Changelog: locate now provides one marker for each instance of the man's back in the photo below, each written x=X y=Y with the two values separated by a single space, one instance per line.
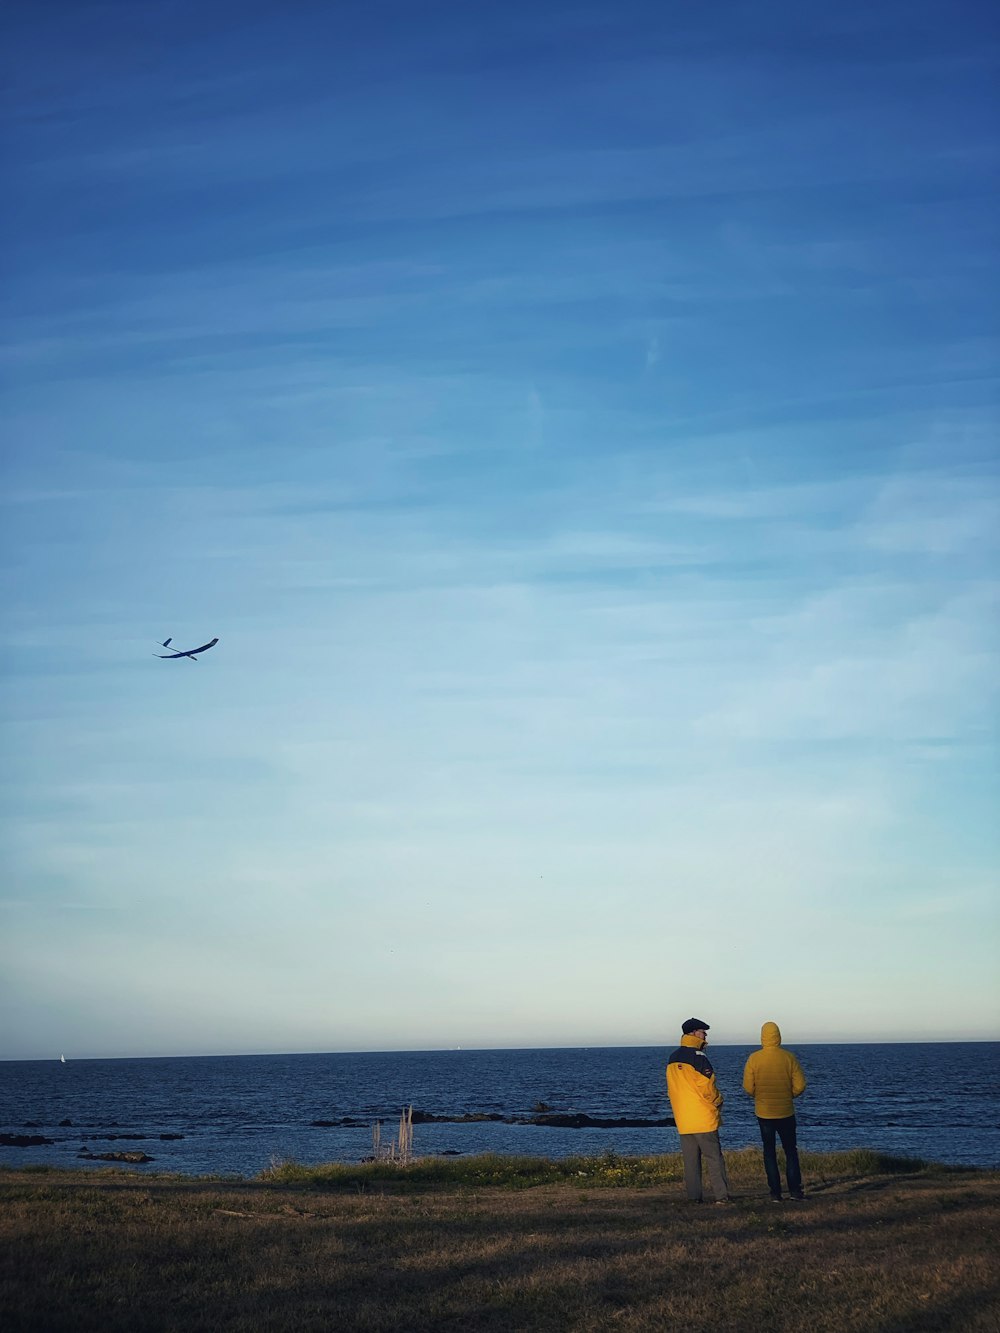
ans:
x=773 y=1076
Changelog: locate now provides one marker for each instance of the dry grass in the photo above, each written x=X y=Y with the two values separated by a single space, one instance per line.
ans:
x=904 y=1250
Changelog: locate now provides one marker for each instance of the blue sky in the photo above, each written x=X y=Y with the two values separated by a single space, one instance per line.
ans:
x=578 y=424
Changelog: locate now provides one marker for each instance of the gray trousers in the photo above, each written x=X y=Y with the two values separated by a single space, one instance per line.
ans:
x=694 y=1147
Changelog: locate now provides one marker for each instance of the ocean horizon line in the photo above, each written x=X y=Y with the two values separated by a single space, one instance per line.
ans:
x=667 y=1044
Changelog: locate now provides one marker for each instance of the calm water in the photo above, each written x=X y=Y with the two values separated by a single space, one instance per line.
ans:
x=237 y=1113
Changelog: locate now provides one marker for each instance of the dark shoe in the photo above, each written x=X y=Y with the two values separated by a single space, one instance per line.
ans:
x=775 y=1198
x=797 y=1197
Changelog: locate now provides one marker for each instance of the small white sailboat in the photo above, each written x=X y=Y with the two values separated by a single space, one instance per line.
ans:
x=62 y=1059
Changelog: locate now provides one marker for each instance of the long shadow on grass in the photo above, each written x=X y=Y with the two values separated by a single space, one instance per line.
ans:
x=406 y=1260
x=403 y=1258
x=800 y=1221
x=407 y=1269
x=949 y=1314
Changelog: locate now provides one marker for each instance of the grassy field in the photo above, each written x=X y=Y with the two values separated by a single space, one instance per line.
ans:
x=502 y=1244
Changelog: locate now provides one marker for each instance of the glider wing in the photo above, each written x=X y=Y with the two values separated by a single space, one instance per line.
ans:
x=191 y=652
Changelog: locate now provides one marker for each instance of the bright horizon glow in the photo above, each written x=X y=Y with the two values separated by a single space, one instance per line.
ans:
x=579 y=429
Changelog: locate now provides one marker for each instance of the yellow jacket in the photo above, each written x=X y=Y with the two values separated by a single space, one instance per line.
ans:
x=694 y=1099
x=772 y=1076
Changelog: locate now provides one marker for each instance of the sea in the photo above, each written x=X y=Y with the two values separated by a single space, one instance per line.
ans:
x=238 y=1115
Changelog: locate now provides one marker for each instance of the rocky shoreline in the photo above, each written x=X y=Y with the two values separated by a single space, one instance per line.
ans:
x=40 y=1135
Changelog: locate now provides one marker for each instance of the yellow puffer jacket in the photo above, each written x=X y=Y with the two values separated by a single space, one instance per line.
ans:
x=694 y=1099
x=772 y=1076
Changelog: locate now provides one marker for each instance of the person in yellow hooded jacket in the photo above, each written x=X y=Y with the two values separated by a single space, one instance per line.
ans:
x=697 y=1106
x=773 y=1077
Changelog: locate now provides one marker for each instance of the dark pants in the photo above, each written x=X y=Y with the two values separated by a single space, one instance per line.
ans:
x=785 y=1130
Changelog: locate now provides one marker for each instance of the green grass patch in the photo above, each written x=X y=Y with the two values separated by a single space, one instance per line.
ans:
x=490 y=1169
x=609 y=1170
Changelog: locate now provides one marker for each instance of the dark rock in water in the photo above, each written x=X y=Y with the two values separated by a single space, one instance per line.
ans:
x=24 y=1140
x=554 y=1119
x=31 y=1124
x=469 y=1118
x=114 y=1156
x=65 y=1124
x=580 y=1121
x=171 y=1136
x=448 y=1152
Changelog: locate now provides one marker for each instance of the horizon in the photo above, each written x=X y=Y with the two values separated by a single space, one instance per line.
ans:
x=472 y=1050
x=578 y=429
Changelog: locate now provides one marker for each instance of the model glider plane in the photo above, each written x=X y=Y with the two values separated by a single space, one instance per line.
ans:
x=192 y=653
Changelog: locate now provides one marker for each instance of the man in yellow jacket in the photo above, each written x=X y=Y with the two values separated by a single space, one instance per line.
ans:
x=697 y=1104
x=773 y=1077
